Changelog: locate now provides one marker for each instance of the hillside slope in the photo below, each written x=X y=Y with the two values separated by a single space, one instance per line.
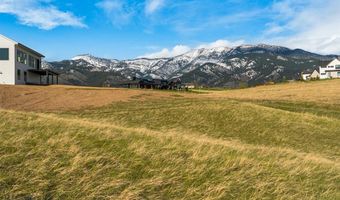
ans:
x=174 y=145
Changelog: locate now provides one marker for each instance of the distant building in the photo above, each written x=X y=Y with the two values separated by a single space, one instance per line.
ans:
x=173 y=84
x=21 y=65
x=332 y=70
x=310 y=76
x=315 y=75
x=189 y=86
x=305 y=76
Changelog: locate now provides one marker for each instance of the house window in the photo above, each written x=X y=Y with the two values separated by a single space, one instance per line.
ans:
x=18 y=74
x=338 y=74
x=31 y=61
x=21 y=57
x=323 y=74
x=330 y=66
x=4 y=54
x=37 y=63
x=25 y=76
x=337 y=66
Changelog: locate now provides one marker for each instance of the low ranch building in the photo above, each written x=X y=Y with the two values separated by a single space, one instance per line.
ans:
x=173 y=84
x=20 y=65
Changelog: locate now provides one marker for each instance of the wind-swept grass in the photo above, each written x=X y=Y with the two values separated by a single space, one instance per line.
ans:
x=45 y=156
x=216 y=145
x=228 y=120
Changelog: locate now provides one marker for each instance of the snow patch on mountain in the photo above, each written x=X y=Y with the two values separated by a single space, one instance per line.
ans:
x=215 y=65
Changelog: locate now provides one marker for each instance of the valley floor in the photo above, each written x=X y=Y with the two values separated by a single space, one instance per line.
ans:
x=270 y=142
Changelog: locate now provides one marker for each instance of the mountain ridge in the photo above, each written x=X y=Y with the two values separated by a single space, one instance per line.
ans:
x=211 y=67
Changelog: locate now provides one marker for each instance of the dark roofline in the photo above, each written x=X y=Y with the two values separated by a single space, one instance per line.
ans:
x=310 y=70
x=43 y=71
x=29 y=49
x=333 y=70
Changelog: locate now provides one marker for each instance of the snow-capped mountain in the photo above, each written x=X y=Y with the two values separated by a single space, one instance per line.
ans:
x=221 y=66
x=97 y=64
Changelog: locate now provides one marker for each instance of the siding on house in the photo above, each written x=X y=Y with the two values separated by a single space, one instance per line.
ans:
x=7 y=69
x=315 y=75
x=32 y=78
x=332 y=70
x=22 y=65
x=311 y=75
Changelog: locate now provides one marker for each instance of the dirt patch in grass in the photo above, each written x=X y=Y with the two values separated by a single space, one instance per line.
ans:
x=55 y=98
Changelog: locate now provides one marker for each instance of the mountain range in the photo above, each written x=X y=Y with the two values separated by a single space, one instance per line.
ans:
x=211 y=67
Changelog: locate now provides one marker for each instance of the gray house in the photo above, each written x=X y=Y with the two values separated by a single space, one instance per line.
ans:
x=20 y=65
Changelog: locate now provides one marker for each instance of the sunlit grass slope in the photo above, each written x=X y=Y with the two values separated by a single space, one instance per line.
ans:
x=47 y=156
x=200 y=147
x=320 y=92
x=247 y=122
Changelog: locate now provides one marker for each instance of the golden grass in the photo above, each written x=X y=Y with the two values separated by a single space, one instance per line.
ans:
x=201 y=140
x=82 y=159
x=271 y=142
x=316 y=91
x=57 y=98
x=227 y=120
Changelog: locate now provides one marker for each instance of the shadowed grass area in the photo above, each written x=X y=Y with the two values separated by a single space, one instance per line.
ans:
x=45 y=156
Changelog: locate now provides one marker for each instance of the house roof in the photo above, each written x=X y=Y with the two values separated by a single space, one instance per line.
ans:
x=8 y=39
x=308 y=71
x=31 y=50
x=333 y=70
x=315 y=73
x=23 y=46
x=334 y=62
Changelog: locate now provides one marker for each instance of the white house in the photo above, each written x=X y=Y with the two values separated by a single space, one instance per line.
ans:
x=332 y=70
x=310 y=76
x=305 y=76
x=21 y=65
x=189 y=86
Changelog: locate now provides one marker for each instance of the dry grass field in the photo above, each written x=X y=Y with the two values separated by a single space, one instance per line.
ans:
x=324 y=92
x=269 y=142
x=54 y=98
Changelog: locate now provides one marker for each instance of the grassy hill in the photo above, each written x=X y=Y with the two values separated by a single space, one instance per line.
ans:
x=271 y=142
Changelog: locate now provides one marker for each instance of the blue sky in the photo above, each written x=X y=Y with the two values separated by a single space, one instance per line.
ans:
x=124 y=29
